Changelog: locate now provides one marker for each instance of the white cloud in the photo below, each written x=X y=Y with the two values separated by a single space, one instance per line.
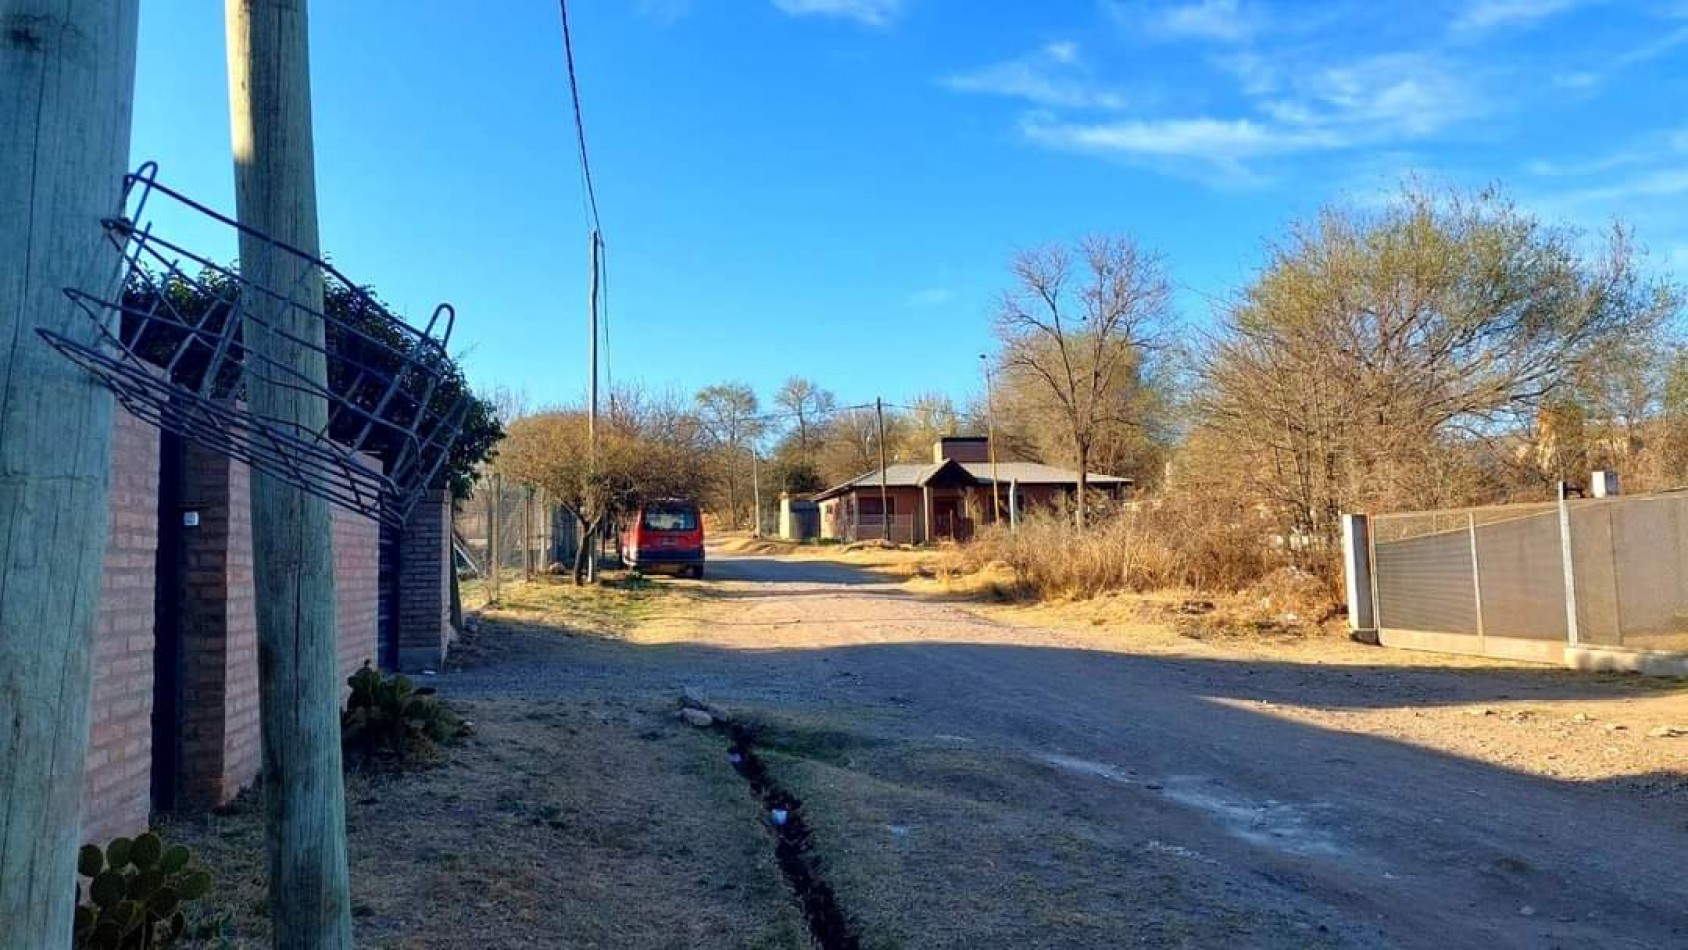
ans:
x=1377 y=102
x=664 y=12
x=1226 y=143
x=1611 y=64
x=1490 y=14
x=1661 y=183
x=1665 y=148
x=1226 y=21
x=930 y=297
x=1054 y=77
x=870 y=12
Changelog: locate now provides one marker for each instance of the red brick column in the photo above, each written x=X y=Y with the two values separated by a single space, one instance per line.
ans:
x=425 y=584
x=117 y=787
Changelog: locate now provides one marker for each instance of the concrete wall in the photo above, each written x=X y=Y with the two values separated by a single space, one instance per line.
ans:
x=425 y=584
x=117 y=785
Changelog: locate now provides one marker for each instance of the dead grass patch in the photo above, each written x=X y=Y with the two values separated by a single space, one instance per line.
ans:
x=579 y=824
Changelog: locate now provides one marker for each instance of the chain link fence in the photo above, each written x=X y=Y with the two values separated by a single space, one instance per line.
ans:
x=506 y=532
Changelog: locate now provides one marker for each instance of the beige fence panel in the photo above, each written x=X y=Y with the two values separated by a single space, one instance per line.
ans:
x=1521 y=572
x=1425 y=579
x=1498 y=575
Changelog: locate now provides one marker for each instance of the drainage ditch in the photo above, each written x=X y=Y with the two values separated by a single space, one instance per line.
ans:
x=828 y=925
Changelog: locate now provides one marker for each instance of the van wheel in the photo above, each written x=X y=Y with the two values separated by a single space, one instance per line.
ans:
x=697 y=572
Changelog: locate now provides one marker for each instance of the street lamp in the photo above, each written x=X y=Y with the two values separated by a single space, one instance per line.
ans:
x=990 y=435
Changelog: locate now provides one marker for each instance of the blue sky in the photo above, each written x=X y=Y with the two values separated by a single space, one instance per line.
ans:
x=833 y=188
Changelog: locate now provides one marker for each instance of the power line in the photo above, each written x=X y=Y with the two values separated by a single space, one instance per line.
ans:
x=590 y=189
x=579 y=123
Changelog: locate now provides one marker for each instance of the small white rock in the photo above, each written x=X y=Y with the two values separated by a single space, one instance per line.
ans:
x=697 y=717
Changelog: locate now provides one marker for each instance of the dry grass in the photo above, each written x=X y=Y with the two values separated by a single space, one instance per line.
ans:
x=1219 y=566
x=575 y=824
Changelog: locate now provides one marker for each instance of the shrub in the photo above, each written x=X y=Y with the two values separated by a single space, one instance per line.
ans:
x=388 y=717
x=135 y=893
x=1176 y=542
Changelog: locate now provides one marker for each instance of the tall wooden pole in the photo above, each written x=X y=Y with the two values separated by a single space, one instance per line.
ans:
x=755 y=492
x=990 y=438
x=594 y=517
x=293 y=557
x=67 y=79
x=884 y=503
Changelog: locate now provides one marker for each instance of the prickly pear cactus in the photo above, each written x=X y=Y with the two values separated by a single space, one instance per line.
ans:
x=134 y=893
x=389 y=717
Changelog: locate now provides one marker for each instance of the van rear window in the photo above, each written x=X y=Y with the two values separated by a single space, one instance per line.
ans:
x=670 y=519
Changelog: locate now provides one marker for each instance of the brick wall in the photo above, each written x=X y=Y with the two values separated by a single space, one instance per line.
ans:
x=219 y=719
x=117 y=787
x=357 y=590
x=219 y=729
x=425 y=584
x=221 y=734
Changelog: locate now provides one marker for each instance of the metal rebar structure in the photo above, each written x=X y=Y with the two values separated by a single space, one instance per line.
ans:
x=172 y=346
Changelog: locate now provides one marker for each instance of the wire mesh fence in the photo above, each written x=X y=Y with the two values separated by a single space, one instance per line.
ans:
x=1608 y=572
x=508 y=531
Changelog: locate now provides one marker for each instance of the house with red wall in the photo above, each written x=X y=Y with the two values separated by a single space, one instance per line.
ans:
x=951 y=496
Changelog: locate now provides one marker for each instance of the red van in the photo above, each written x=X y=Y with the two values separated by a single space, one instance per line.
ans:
x=665 y=534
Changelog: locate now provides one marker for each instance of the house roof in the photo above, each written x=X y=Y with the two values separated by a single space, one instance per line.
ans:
x=1036 y=473
x=900 y=475
x=913 y=475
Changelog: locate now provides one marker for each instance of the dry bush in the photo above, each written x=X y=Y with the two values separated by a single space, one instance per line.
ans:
x=1173 y=542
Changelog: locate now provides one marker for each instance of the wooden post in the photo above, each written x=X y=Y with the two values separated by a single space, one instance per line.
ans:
x=884 y=504
x=527 y=534
x=494 y=532
x=755 y=494
x=67 y=78
x=292 y=539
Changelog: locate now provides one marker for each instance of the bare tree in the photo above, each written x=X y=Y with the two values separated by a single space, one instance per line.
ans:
x=1078 y=322
x=67 y=76
x=728 y=413
x=809 y=405
x=644 y=452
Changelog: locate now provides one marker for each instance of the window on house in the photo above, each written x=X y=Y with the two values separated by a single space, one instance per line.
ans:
x=870 y=506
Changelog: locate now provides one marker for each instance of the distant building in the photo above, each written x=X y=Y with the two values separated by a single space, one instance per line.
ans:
x=949 y=497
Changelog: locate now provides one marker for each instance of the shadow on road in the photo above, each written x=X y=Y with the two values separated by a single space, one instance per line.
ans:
x=1405 y=845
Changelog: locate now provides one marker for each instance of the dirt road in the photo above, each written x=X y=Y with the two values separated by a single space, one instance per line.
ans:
x=980 y=784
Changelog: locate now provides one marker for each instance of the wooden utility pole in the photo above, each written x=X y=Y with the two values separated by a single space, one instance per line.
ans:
x=990 y=438
x=67 y=80
x=884 y=503
x=494 y=543
x=292 y=542
x=755 y=493
x=593 y=515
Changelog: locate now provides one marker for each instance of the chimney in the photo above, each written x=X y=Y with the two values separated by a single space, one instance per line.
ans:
x=962 y=448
